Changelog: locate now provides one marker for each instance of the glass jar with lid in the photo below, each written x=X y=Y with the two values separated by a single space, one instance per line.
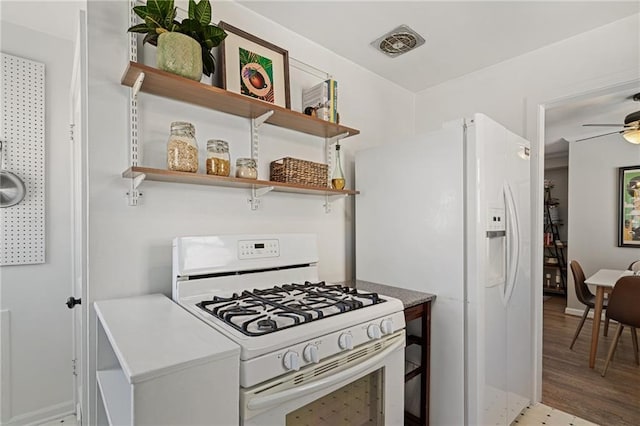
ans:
x=246 y=168
x=218 y=161
x=182 y=148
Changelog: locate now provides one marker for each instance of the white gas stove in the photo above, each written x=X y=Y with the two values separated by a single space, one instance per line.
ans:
x=263 y=292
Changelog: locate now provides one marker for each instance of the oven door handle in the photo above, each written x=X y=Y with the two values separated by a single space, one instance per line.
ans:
x=267 y=401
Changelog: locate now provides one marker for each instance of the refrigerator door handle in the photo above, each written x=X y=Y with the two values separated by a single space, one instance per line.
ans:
x=513 y=243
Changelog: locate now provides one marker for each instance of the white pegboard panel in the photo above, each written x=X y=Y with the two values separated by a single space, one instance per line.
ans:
x=22 y=131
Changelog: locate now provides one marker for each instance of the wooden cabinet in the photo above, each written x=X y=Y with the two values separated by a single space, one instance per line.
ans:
x=158 y=364
x=156 y=82
x=421 y=312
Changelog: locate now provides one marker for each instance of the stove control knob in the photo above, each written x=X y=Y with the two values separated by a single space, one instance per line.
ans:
x=345 y=341
x=291 y=361
x=386 y=326
x=310 y=354
x=373 y=331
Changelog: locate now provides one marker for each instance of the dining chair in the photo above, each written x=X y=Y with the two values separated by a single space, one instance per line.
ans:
x=635 y=266
x=585 y=297
x=623 y=308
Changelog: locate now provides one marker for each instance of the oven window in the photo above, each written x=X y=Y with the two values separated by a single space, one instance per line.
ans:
x=358 y=403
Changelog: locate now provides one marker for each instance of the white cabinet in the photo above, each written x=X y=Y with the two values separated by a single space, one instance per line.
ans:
x=159 y=365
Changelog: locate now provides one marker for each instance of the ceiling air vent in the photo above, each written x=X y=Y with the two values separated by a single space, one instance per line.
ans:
x=398 y=41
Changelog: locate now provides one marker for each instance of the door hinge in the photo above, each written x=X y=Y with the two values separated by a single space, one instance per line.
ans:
x=74 y=367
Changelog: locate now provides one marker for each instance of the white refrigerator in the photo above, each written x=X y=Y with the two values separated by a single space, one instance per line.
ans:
x=448 y=213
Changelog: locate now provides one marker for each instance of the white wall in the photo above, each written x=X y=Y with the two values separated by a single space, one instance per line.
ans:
x=130 y=247
x=39 y=336
x=593 y=205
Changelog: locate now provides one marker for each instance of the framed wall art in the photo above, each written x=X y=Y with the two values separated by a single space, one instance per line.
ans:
x=629 y=206
x=254 y=67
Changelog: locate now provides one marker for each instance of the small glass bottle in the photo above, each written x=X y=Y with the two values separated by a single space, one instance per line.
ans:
x=337 y=179
x=182 y=148
x=218 y=161
x=246 y=168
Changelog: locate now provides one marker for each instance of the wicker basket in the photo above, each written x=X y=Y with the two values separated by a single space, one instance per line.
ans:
x=293 y=170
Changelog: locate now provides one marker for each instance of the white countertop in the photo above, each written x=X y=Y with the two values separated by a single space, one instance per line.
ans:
x=153 y=336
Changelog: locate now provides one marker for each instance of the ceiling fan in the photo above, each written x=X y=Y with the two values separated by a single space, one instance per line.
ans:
x=630 y=129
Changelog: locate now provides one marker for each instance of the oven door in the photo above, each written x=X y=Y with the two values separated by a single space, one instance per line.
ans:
x=361 y=386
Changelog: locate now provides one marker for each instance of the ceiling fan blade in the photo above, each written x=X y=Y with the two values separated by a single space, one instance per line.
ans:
x=598 y=136
x=603 y=125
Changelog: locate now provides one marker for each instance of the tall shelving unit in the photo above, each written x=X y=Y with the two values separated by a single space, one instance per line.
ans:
x=555 y=264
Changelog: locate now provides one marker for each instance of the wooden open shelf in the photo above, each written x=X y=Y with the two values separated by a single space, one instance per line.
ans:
x=171 y=86
x=552 y=290
x=161 y=175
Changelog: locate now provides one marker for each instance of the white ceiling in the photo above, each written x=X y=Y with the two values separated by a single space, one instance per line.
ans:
x=564 y=122
x=461 y=37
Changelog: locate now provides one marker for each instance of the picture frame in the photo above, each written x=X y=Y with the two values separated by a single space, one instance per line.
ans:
x=629 y=206
x=254 y=67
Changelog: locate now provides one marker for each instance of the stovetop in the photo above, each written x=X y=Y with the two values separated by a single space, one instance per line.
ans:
x=263 y=292
x=262 y=311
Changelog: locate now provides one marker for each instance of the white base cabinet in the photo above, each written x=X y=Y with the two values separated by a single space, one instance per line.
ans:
x=159 y=365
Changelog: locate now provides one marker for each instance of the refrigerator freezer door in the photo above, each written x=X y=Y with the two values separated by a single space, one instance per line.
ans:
x=499 y=317
x=486 y=313
x=520 y=306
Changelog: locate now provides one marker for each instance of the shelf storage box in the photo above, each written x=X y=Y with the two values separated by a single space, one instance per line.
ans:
x=301 y=172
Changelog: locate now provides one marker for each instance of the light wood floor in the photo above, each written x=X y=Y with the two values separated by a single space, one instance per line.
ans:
x=568 y=383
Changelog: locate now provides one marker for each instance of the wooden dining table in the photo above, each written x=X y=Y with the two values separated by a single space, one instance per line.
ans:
x=604 y=280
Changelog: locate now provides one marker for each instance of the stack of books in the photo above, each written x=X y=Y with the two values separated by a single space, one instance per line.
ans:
x=322 y=99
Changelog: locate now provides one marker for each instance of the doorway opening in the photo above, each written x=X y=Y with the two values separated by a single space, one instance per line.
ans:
x=581 y=175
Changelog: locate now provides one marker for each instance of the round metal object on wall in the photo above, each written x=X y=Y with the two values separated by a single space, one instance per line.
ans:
x=12 y=189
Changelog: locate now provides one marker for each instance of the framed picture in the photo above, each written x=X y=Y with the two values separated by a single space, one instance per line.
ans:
x=629 y=206
x=254 y=67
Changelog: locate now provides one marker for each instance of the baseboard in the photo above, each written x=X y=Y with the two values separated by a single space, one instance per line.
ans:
x=44 y=415
x=5 y=366
x=580 y=312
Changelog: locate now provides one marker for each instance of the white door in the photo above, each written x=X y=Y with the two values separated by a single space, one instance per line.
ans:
x=78 y=131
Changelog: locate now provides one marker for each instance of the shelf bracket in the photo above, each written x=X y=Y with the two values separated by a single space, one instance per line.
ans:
x=329 y=199
x=133 y=194
x=259 y=121
x=336 y=138
x=138 y=180
x=137 y=85
x=256 y=193
x=255 y=125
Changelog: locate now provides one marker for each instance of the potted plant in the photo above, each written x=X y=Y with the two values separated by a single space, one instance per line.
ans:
x=184 y=48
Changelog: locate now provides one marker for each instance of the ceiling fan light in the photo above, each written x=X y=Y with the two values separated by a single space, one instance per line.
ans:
x=632 y=135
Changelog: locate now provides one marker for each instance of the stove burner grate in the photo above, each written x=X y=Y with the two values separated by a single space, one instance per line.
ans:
x=263 y=311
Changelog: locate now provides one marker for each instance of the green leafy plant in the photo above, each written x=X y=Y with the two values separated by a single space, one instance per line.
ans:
x=160 y=16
